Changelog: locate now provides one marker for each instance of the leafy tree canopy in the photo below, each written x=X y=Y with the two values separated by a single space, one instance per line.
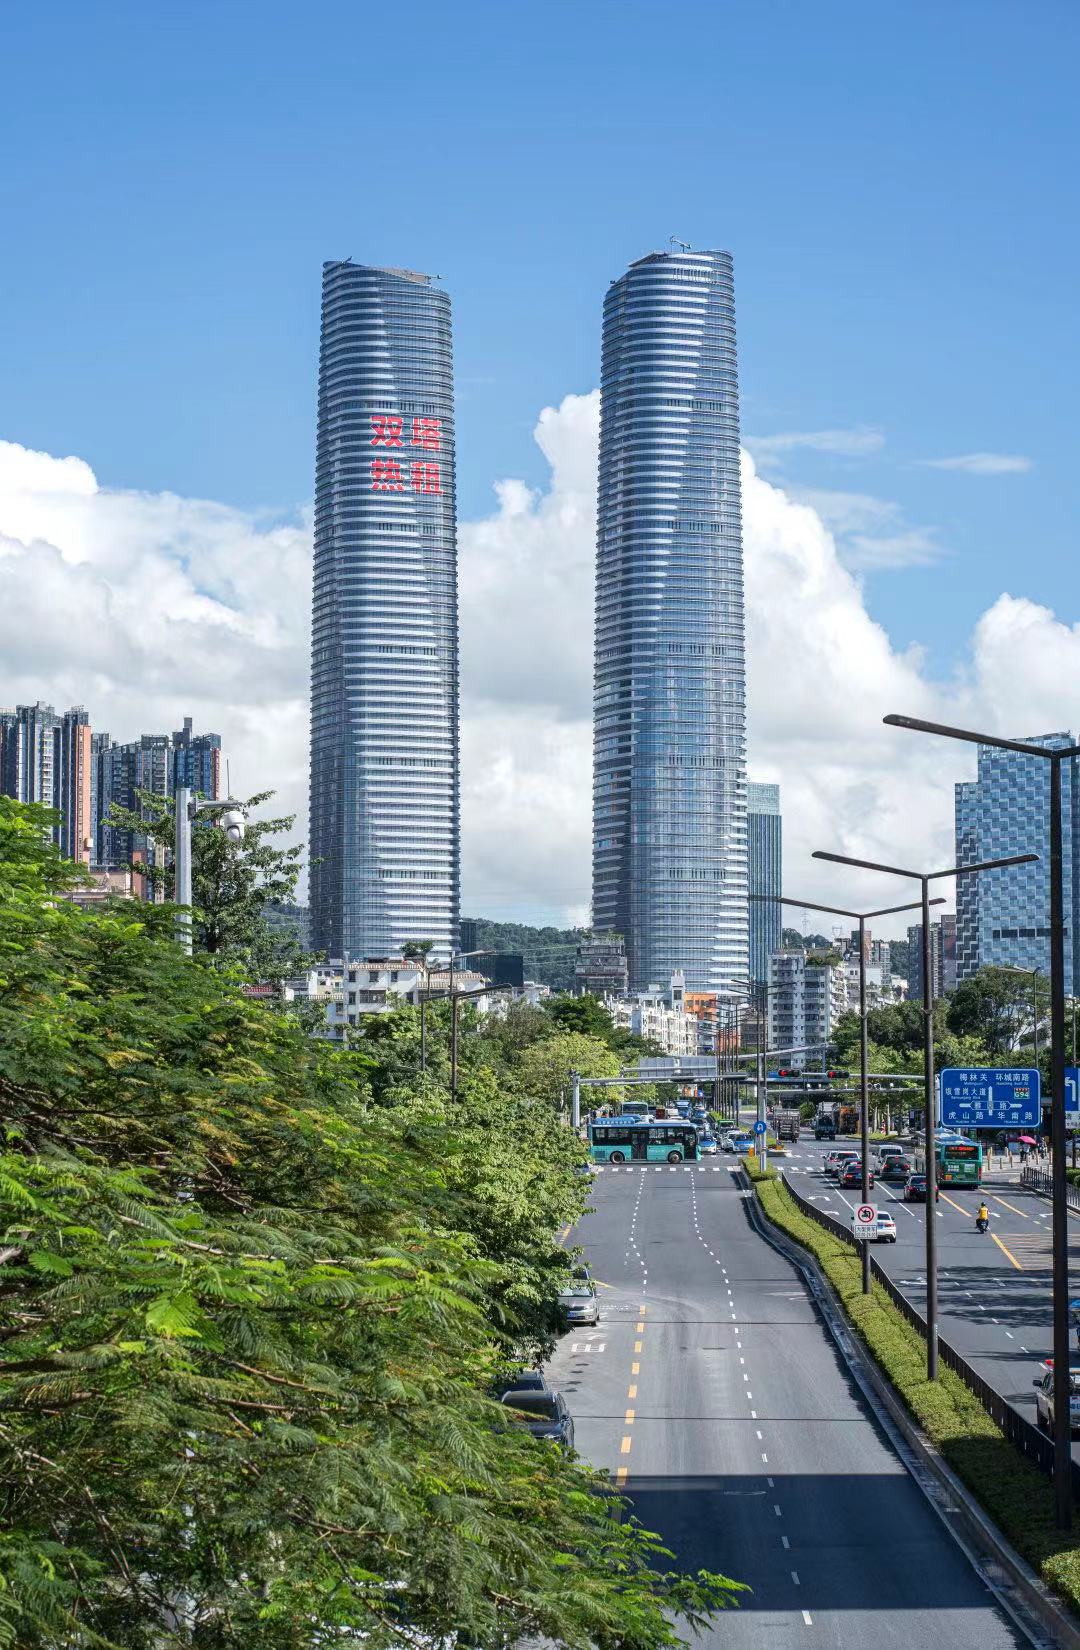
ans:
x=247 y=1319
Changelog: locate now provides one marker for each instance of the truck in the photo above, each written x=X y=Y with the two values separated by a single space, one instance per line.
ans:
x=825 y=1125
x=786 y=1124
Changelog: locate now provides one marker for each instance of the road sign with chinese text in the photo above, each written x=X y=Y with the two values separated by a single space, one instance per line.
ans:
x=989 y=1097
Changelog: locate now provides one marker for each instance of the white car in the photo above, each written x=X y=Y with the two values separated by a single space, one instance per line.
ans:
x=884 y=1232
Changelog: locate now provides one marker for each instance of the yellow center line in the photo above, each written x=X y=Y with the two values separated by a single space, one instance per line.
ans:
x=959 y=1207
x=635 y=1369
x=640 y=1328
x=1011 y=1206
x=637 y=1346
x=644 y=1307
x=624 y=1447
x=1005 y=1251
x=629 y=1420
x=631 y=1391
x=600 y=1284
x=620 y=1475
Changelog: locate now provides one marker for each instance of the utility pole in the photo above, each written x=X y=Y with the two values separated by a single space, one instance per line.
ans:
x=232 y=819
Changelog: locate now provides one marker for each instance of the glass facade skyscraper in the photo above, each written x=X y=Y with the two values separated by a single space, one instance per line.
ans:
x=669 y=730
x=764 y=831
x=384 y=836
x=1003 y=917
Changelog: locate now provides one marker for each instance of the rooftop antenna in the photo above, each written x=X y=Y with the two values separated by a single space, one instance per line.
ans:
x=673 y=240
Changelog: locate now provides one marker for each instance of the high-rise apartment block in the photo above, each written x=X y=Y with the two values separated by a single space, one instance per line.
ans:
x=943 y=973
x=669 y=808
x=764 y=833
x=600 y=966
x=806 y=998
x=58 y=760
x=384 y=832
x=1003 y=917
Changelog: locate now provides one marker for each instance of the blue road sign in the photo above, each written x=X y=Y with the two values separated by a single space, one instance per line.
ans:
x=760 y=1126
x=1072 y=1096
x=988 y=1097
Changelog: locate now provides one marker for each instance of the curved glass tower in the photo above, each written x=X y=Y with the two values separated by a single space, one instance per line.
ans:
x=384 y=649
x=669 y=731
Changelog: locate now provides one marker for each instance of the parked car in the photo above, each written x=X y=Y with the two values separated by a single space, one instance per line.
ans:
x=915 y=1189
x=544 y=1414
x=885 y=1230
x=707 y=1146
x=579 y=1304
x=851 y=1174
x=522 y=1380
x=1044 y=1399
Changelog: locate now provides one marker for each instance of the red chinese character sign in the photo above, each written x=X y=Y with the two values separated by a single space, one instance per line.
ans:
x=387 y=476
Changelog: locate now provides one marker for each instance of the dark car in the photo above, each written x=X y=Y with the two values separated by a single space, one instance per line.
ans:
x=522 y=1380
x=915 y=1189
x=851 y=1175
x=895 y=1168
x=544 y=1414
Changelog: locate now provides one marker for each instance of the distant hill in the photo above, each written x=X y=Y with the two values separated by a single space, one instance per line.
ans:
x=549 y=952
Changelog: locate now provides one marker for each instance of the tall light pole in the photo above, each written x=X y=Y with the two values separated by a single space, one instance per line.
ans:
x=232 y=820
x=1008 y=968
x=925 y=878
x=458 y=956
x=862 y=918
x=1060 y=1240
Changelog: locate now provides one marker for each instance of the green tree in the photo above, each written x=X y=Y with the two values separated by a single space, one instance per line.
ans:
x=246 y=1345
x=232 y=883
x=542 y=1070
x=997 y=1006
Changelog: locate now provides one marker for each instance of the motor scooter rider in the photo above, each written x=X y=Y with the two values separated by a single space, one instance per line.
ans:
x=982 y=1217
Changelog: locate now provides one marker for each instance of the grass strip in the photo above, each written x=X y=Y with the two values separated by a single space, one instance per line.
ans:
x=1015 y=1494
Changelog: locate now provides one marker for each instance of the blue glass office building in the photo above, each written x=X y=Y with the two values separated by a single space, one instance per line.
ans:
x=764 y=831
x=384 y=838
x=669 y=740
x=1003 y=917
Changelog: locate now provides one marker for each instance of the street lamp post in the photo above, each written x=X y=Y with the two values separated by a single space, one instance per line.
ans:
x=1060 y=1240
x=186 y=806
x=925 y=878
x=862 y=918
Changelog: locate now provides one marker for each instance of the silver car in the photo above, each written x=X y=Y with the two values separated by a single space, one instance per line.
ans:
x=579 y=1304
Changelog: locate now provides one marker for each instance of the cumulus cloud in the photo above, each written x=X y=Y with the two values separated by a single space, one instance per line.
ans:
x=146 y=607
x=982 y=464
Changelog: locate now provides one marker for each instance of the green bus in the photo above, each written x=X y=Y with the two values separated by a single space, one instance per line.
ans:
x=959 y=1163
x=625 y=1140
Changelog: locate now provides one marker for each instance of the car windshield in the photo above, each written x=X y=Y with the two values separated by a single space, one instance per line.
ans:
x=578 y=1289
x=537 y=1404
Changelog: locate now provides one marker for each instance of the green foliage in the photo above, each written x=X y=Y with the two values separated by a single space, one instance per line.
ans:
x=232 y=883
x=246 y=1327
x=588 y=1015
x=543 y=1069
x=1018 y=1497
x=996 y=1006
x=792 y=940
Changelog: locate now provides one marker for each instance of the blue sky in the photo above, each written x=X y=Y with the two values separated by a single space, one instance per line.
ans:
x=897 y=183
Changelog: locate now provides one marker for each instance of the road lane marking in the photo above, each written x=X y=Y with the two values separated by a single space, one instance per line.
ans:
x=1011 y=1206
x=795 y=1578
x=620 y=1476
x=759 y=1435
x=628 y=1419
x=631 y=1391
x=765 y=1458
x=635 y=1369
x=776 y=1509
x=640 y=1328
x=1007 y=1252
x=808 y=1618
x=637 y=1346
x=785 y=1543
x=625 y=1446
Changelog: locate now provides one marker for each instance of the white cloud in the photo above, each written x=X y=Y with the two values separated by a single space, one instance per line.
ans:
x=982 y=464
x=767 y=450
x=146 y=607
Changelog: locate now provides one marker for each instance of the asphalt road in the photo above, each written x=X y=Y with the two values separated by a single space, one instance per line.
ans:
x=994 y=1290
x=716 y=1398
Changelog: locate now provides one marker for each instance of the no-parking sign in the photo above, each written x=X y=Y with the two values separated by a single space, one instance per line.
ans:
x=864 y=1220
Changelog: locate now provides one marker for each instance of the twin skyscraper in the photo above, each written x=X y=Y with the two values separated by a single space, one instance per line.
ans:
x=669 y=785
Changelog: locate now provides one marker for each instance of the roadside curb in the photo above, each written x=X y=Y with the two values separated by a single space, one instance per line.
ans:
x=1021 y=1592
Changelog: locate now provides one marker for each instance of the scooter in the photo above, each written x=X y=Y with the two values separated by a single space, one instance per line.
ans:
x=982 y=1224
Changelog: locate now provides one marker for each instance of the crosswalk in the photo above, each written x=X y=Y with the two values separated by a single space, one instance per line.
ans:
x=666 y=1168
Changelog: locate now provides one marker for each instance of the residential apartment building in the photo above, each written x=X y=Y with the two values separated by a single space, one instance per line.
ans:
x=1003 y=917
x=384 y=834
x=600 y=967
x=46 y=757
x=943 y=972
x=806 y=998
x=669 y=795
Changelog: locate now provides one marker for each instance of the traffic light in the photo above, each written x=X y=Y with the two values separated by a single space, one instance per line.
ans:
x=838 y=1074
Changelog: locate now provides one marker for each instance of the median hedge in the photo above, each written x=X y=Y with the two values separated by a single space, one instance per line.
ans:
x=1015 y=1494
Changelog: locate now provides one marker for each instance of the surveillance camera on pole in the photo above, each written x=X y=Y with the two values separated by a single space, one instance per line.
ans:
x=230 y=815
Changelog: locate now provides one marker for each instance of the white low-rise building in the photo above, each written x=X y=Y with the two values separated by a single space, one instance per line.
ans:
x=658 y=1015
x=806 y=998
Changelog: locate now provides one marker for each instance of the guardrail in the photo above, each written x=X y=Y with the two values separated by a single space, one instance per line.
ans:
x=1036 y=1181
x=1034 y=1445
